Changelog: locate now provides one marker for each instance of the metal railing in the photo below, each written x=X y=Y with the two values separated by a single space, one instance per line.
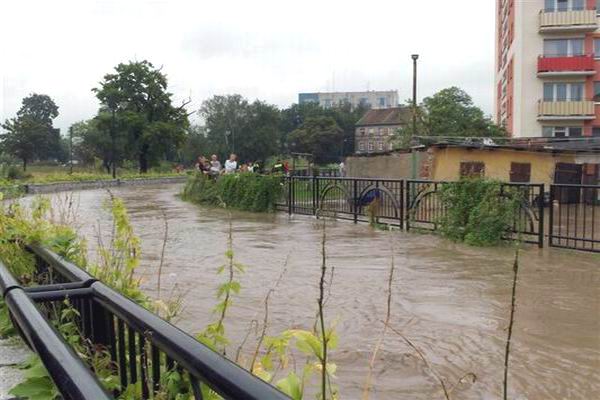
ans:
x=410 y=204
x=142 y=346
x=574 y=218
x=356 y=199
x=425 y=209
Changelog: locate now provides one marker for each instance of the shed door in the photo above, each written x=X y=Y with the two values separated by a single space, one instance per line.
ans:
x=568 y=174
x=520 y=172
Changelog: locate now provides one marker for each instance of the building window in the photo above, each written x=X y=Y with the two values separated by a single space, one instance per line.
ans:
x=596 y=132
x=382 y=102
x=327 y=103
x=597 y=91
x=520 y=172
x=361 y=146
x=563 y=47
x=562 y=131
x=472 y=169
x=380 y=146
x=371 y=131
x=564 y=5
x=597 y=47
x=362 y=131
x=370 y=146
x=563 y=91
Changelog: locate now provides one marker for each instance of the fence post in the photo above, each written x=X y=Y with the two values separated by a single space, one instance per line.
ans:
x=401 y=205
x=408 y=202
x=551 y=216
x=355 y=200
x=541 y=217
x=315 y=193
x=290 y=197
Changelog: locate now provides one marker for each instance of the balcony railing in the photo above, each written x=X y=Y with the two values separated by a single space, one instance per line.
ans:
x=566 y=110
x=564 y=65
x=578 y=20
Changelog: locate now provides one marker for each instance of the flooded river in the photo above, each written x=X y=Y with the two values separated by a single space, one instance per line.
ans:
x=451 y=301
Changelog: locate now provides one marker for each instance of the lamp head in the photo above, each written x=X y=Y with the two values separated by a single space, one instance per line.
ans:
x=415 y=57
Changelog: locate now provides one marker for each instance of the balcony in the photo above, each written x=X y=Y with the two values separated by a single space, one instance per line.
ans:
x=568 y=21
x=566 y=110
x=566 y=66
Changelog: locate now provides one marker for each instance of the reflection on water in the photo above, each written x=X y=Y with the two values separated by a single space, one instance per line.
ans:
x=450 y=300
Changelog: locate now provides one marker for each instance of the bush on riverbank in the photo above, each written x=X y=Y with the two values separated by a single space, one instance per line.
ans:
x=477 y=211
x=244 y=191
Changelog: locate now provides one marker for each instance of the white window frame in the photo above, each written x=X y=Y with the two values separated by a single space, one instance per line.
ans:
x=371 y=146
x=565 y=129
x=569 y=86
x=361 y=146
x=569 y=6
x=380 y=145
x=569 y=47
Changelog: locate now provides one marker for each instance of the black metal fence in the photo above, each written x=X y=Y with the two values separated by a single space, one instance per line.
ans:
x=567 y=216
x=323 y=172
x=142 y=346
x=574 y=219
x=356 y=199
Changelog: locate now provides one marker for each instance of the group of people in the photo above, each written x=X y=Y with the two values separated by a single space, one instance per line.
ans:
x=214 y=168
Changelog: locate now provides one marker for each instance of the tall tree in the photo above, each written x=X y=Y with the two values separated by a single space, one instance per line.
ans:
x=31 y=133
x=345 y=116
x=320 y=136
x=449 y=112
x=136 y=94
x=235 y=125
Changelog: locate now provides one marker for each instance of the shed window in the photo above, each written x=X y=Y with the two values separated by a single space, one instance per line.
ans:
x=520 y=172
x=472 y=169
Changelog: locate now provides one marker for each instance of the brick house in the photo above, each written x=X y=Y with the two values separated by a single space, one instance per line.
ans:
x=376 y=128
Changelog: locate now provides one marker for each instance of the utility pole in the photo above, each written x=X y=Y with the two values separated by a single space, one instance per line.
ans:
x=113 y=145
x=414 y=57
x=71 y=150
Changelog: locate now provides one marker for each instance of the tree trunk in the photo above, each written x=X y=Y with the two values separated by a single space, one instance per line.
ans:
x=144 y=159
x=24 y=164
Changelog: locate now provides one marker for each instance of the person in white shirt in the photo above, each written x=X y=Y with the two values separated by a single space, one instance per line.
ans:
x=215 y=166
x=231 y=164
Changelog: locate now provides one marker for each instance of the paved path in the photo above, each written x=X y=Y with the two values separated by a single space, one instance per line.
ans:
x=12 y=352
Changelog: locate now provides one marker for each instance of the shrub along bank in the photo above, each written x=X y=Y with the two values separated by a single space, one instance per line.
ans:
x=478 y=211
x=244 y=191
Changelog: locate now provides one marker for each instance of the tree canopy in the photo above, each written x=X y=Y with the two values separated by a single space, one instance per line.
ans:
x=31 y=134
x=321 y=136
x=136 y=95
x=451 y=113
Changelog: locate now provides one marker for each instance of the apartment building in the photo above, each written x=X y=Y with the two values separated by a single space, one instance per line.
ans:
x=548 y=67
x=372 y=98
x=375 y=130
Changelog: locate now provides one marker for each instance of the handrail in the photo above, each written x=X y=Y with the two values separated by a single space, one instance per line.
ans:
x=222 y=375
x=67 y=269
x=72 y=377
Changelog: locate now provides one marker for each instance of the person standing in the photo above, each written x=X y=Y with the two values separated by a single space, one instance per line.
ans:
x=231 y=164
x=215 y=166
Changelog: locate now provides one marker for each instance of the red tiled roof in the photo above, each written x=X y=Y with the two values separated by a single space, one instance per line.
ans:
x=385 y=116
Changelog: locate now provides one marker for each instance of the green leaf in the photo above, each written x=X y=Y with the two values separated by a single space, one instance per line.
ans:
x=291 y=386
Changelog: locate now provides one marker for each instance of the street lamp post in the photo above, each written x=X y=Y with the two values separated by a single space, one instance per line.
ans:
x=414 y=57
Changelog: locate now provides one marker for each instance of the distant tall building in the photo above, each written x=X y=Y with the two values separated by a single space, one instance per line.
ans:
x=374 y=99
x=548 y=67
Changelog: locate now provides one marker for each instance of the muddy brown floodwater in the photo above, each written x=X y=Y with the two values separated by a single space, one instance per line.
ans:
x=451 y=301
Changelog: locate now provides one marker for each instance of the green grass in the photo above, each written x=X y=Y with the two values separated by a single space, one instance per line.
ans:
x=54 y=174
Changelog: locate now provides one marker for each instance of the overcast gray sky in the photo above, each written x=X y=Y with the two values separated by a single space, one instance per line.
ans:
x=269 y=50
